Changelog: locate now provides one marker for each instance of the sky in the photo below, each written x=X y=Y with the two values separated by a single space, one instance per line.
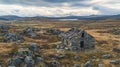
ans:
x=56 y=8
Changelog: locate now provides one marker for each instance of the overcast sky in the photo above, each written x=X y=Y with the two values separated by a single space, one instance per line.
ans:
x=59 y=7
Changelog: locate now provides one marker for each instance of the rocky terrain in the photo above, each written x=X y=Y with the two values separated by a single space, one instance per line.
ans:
x=78 y=43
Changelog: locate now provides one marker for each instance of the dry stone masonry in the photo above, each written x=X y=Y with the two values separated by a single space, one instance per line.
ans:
x=76 y=39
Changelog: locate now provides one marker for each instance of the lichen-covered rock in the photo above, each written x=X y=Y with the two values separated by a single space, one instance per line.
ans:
x=77 y=65
x=39 y=59
x=106 y=56
x=115 y=61
x=29 y=31
x=34 y=47
x=4 y=27
x=15 y=61
x=53 y=31
x=55 y=64
x=116 y=50
x=29 y=61
x=88 y=64
x=100 y=65
x=12 y=37
x=25 y=52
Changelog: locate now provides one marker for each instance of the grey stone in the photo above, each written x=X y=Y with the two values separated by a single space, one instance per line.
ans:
x=54 y=31
x=115 y=61
x=39 y=59
x=77 y=65
x=15 y=61
x=29 y=61
x=88 y=64
x=55 y=64
x=3 y=26
x=25 y=52
x=35 y=47
x=12 y=37
x=58 y=56
x=116 y=50
x=107 y=56
x=29 y=31
x=76 y=57
x=100 y=65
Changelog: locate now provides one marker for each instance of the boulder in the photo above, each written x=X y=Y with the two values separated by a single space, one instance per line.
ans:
x=25 y=52
x=54 y=31
x=100 y=65
x=34 y=47
x=15 y=61
x=116 y=50
x=58 y=56
x=107 y=56
x=88 y=64
x=12 y=37
x=29 y=31
x=55 y=64
x=115 y=61
x=77 y=65
x=76 y=57
x=4 y=27
x=29 y=61
x=39 y=59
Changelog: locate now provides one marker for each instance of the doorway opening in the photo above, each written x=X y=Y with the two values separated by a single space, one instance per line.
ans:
x=82 y=44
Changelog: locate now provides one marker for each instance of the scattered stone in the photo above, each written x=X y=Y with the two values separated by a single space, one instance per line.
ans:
x=53 y=31
x=116 y=50
x=39 y=59
x=88 y=64
x=29 y=31
x=115 y=61
x=58 y=56
x=34 y=47
x=4 y=27
x=55 y=64
x=76 y=65
x=100 y=65
x=115 y=31
x=77 y=58
x=15 y=61
x=12 y=37
x=107 y=56
x=29 y=61
x=25 y=52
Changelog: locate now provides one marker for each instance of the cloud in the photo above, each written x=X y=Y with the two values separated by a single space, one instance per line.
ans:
x=59 y=7
x=45 y=11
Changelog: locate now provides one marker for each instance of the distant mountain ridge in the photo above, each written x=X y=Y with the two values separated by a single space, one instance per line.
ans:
x=91 y=17
x=9 y=17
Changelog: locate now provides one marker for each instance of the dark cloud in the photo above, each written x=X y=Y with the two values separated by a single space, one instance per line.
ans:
x=59 y=7
x=47 y=3
x=61 y=1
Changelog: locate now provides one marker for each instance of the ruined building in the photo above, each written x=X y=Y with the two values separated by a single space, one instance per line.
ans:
x=76 y=39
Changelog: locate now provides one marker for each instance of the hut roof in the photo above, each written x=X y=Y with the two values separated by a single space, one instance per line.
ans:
x=70 y=33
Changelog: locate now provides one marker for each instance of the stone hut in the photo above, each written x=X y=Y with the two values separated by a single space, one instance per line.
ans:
x=76 y=39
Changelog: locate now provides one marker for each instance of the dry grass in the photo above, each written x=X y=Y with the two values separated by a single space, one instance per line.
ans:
x=105 y=41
